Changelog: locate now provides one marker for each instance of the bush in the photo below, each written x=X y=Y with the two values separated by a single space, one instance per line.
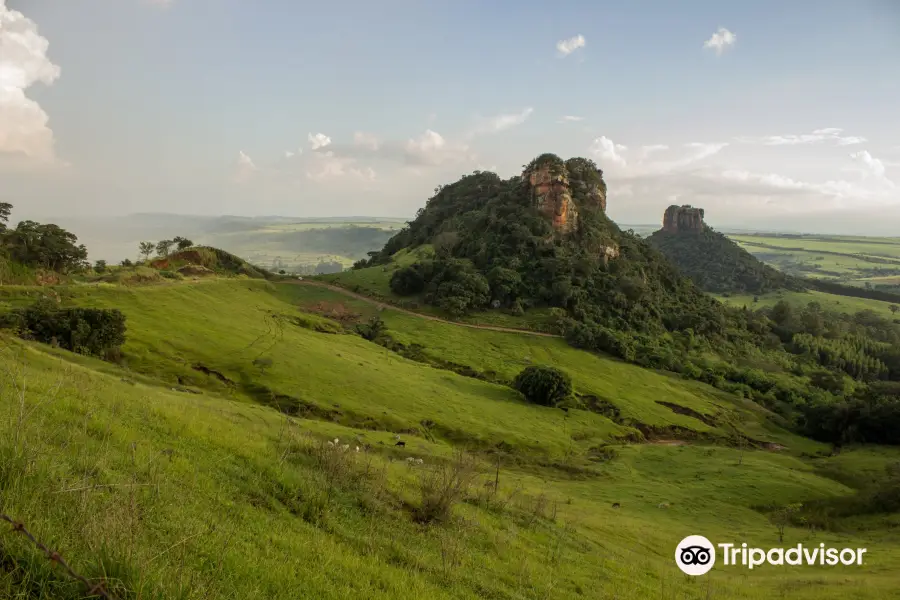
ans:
x=444 y=486
x=372 y=330
x=93 y=331
x=409 y=280
x=170 y=274
x=543 y=385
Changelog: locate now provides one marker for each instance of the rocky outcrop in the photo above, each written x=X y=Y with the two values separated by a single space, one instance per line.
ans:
x=683 y=218
x=551 y=194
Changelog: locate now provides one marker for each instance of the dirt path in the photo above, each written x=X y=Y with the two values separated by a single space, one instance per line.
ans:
x=346 y=292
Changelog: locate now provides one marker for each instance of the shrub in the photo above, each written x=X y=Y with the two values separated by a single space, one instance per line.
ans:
x=373 y=329
x=443 y=486
x=409 y=280
x=543 y=385
x=170 y=274
x=93 y=331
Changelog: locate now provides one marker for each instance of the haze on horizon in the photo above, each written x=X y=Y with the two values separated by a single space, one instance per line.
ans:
x=768 y=115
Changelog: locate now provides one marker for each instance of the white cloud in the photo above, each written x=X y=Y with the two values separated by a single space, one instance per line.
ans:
x=500 y=122
x=720 y=40
x=568 y=46
x=606 y=150
x=246 y=168
x=327 y=166
x=648 y=150
x=292 y=153
x=366 y=140
x=23 y=62
x=319 y=140
x=872 y=167
x=571 y=119
x=431 y=149
x=827 y=134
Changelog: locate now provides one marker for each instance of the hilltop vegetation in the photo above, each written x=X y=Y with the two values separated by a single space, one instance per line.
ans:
x=717 y=264
x=494 y=248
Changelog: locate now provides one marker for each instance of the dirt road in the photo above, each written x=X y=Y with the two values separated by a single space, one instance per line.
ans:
x=347 y=292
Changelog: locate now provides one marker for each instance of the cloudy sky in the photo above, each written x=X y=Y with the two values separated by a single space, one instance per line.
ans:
x=762 y=112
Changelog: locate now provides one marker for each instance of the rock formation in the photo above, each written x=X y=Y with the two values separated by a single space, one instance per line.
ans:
x=551 y=194
x=683 y=218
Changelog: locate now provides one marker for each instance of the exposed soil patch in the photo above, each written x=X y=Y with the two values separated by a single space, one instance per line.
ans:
x=687 y=412
x=601 y=406
x=213 y=373
x=383 y=305
x=336 y=311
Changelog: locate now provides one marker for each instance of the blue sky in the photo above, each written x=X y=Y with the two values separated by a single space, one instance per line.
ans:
x=761 y=112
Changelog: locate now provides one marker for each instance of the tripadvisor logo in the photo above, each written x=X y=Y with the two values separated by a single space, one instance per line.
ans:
x=696 y=555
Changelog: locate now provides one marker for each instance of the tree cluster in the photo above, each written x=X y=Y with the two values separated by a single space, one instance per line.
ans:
x=92 y=331
x=39 y=245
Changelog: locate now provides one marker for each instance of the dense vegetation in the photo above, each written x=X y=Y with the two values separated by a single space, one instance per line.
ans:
x=91 y=331
x=544 y=385
x=39 y=246
x=717 y=264
x=493 y=248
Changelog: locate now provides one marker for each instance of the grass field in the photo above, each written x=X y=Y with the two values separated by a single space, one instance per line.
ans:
x=828 y=301
x=850 y=260
x=180 y=484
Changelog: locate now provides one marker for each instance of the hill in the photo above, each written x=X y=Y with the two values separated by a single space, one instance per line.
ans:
x=202 y=259
x=198 y=465
x=543 y=239
x=712 y=261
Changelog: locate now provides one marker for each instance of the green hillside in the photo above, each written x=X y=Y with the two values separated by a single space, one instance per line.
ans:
x=128 y=468
x=717 y=264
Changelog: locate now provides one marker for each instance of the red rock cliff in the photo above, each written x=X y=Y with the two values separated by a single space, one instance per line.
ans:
x=552 y=197
x=683 y=218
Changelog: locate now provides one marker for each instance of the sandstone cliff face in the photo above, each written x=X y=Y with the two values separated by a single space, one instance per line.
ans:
x=683 y=218
x=552 y=197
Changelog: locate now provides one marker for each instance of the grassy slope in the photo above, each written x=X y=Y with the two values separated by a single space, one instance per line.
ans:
x=828 y=301
x=229 y=459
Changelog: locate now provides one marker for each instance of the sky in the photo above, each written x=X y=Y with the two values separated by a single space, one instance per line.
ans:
x=766 y=114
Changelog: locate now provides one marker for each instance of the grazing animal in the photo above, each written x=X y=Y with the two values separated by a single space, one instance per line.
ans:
x=400 y=443
x=663 y=505
x=616 y=505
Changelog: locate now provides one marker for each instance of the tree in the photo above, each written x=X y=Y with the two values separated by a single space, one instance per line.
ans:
x=409 y=280
x=100 y=266
x=146 y=249
x=182 y=243
x=894 y=308
x=44 y=246
x=547 y=386
x=126 y=263
x=5 y=210
x=781 y=518
x=373 y=329
x=163 y=247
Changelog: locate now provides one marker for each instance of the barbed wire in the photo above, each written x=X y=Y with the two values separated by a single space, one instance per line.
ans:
x=93 y=589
